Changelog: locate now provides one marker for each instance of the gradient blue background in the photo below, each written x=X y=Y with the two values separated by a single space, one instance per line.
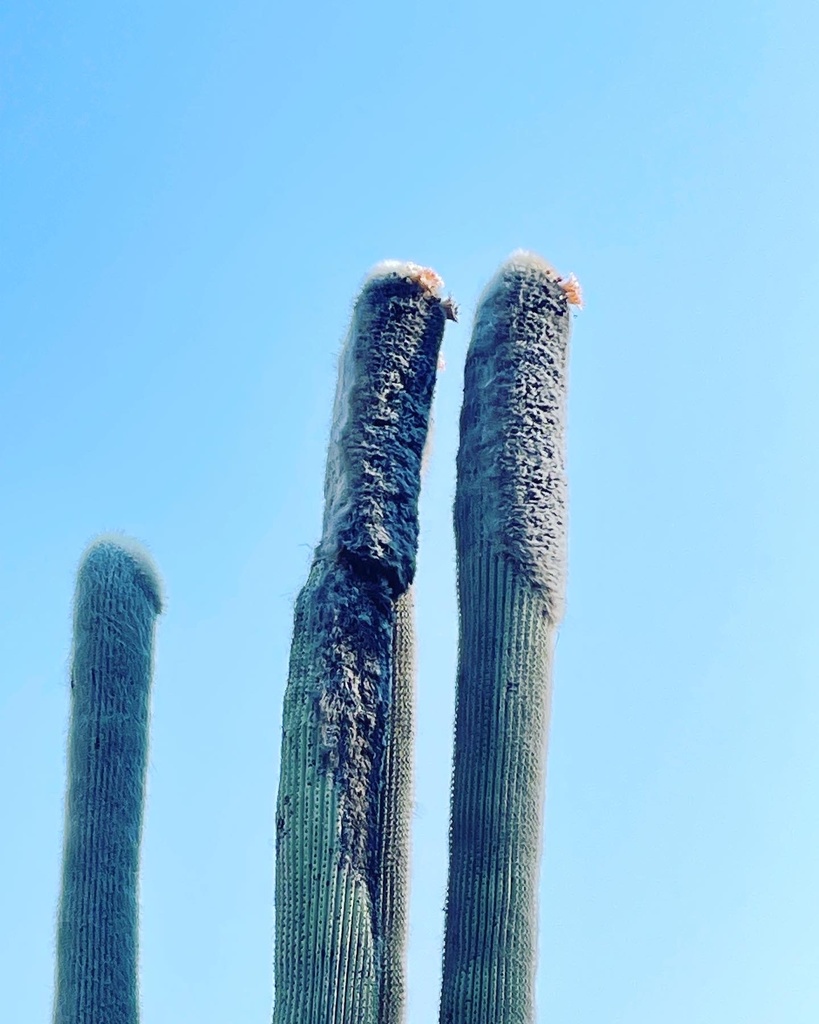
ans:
x=191 y=194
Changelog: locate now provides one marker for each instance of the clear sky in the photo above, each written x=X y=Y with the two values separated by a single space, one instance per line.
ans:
x=190 y=196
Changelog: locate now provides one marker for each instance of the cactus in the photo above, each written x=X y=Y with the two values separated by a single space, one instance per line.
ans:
x=343 y=808
x=117 y=600
x=510 y=523
x=342 y=819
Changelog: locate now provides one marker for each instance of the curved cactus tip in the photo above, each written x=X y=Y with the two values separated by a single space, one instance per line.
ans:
x=523 y=261
x=520 y=262
x=425 y=276
x=117 y=545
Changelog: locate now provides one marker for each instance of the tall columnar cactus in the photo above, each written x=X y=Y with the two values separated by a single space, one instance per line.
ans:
x=344 y=794
x=343 y=811
x=118 y=598
x=510 y=522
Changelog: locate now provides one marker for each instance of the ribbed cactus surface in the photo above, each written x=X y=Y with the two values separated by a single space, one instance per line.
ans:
x=118 y=597
x=345 y=791
x=510 y=523
x=394 y=814
x=343 y=807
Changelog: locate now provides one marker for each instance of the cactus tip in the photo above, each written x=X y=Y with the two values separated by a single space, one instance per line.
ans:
x=132 y=551
x=425 y=276
x=522 y=260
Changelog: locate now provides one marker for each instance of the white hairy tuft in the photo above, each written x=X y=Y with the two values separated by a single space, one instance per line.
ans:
x=425 y=276
x=336 y=484
x=520 y=259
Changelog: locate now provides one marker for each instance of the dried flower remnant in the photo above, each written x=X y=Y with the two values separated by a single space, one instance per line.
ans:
x=572 y=289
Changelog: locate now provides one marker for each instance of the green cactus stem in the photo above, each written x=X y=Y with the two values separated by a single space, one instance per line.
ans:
x=342 y=818
x=118 y=597
x=510 y=523
x=394 y=815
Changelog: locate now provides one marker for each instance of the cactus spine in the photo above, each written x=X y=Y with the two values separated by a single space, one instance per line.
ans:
x=117 y=600
x=510 y=523
x=342 y=819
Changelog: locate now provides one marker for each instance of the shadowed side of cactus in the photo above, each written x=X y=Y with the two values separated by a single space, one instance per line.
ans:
x=394 y=815
x=510 y=524
x=118 y=597
x=342 y=818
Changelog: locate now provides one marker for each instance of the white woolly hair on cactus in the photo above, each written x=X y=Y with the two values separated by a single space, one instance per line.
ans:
x=525 y=259
x=521 y=260
x=337 y=495
x=425 y=276
x=426 y=456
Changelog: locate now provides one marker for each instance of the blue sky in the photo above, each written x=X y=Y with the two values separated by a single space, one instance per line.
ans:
x=190 y=196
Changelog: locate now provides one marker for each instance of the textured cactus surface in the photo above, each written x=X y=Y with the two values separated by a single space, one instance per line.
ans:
x=510 y=523
x=345 y=789
x=342 y=819
x=118 y=598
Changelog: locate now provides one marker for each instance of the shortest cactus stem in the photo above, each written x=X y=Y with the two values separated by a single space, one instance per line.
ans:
x=118 y=598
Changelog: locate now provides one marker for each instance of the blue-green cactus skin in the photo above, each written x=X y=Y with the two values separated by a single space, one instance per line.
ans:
x=343 y=810
x=118 y=597
x=510 y=524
